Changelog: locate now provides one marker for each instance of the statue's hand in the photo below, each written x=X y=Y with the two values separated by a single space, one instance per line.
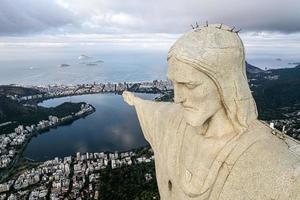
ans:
x=129 y=98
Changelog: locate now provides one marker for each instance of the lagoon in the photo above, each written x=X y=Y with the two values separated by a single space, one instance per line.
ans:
x=113 y=127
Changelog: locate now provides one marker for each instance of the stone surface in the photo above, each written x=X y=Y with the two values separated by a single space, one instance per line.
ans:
x=208 y=144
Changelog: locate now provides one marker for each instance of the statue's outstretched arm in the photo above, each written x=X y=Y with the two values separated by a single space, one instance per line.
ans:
x=151 y=116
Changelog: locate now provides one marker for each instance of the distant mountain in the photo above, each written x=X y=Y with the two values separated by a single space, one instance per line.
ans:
x=11 y=110
x=252 y=69
x=17 y=90
x=297 y=67
x=275 y=90
x=294 y=63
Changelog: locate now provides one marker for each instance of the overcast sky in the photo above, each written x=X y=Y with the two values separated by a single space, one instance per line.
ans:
x=144 y=16
x=147 y=23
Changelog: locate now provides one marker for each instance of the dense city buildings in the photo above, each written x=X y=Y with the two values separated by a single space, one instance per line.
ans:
x=54 y=91
x=72 y=177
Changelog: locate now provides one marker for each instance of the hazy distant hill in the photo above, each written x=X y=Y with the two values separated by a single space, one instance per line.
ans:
x=16 y=112
x=17 y=90
x=275 y=90
x=298 y=66
x=252 y=69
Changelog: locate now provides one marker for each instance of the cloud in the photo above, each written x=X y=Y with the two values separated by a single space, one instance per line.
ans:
x=30 y=16
x=175 y=16
x=142 y=16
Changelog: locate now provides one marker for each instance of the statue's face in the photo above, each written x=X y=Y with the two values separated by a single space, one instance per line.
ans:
x=195 y=91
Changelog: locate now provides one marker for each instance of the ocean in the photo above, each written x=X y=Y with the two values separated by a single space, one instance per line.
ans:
x=61 y=65
x=41 y=66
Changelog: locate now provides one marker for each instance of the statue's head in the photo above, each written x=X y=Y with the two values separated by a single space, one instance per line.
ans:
x=207 y=67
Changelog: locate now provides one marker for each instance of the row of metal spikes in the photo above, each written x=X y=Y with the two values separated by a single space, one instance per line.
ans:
x=219 y=27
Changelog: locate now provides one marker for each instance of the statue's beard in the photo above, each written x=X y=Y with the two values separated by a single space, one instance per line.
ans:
x=197 y=118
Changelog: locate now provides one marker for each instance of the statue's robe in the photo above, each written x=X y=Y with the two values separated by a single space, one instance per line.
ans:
x=254 y=165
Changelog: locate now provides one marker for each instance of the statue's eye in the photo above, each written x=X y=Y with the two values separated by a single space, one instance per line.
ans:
x=190 y=86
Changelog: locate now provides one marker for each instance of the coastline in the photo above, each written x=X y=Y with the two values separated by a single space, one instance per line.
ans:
x=40 y=95
x=6 y=172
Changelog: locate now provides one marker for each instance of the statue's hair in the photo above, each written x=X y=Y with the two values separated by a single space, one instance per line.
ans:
x=220 y=55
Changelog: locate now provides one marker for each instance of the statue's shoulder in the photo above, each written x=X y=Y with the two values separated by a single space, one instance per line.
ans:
x=157 y=119
x=266 y=165
x=169 y=111
x=274 y=141
x=169 y=118
x=270 y=145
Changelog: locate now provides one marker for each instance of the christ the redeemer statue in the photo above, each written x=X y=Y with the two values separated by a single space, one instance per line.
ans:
x=208 y=144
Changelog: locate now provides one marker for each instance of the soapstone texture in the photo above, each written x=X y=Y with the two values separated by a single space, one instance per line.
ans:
x=208 y=144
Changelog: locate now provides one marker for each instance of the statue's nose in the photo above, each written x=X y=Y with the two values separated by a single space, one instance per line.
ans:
x=176 y=99
x=179 y=95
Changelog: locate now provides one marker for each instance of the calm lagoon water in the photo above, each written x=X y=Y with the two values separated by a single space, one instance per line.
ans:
x=114 y=126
